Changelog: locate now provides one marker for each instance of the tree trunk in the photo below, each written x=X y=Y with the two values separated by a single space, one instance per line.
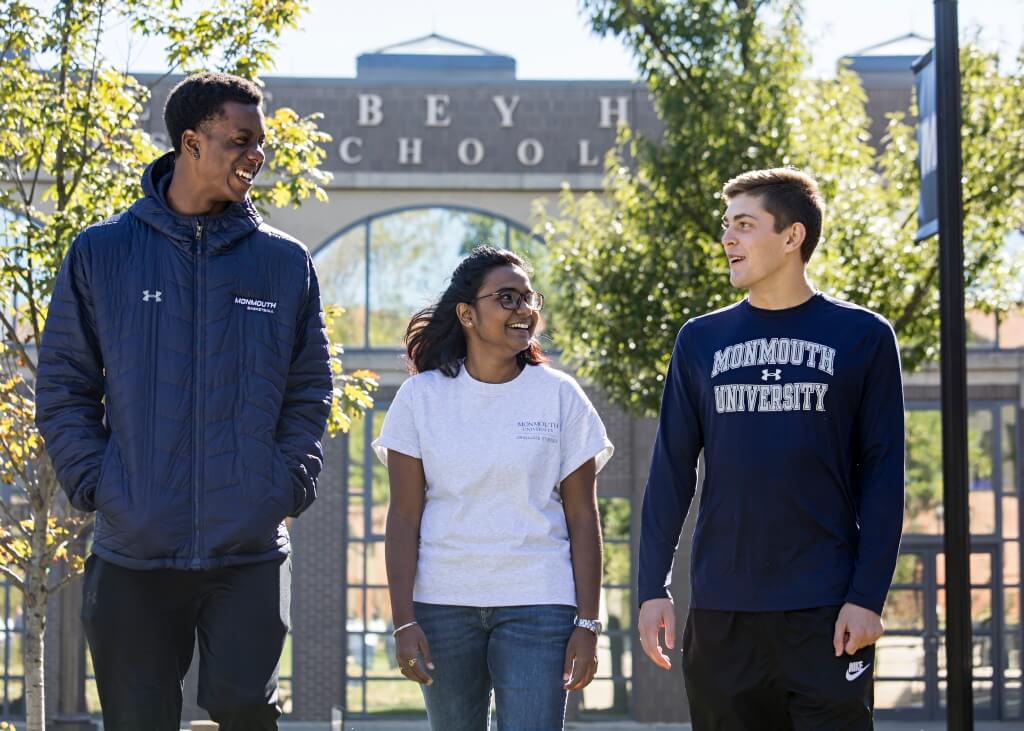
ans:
x=35 y=627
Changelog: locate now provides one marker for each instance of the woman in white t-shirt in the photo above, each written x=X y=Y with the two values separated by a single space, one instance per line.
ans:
x=493 y=542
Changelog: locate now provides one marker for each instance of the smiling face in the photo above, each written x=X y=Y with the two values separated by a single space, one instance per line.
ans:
x=230 y=152
x=758 y=254
x=503 y=333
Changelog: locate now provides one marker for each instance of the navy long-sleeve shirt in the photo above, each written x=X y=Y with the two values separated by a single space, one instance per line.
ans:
x=799 y=413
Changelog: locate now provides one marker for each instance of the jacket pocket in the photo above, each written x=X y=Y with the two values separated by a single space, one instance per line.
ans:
x=110 y=488
x=287 y=482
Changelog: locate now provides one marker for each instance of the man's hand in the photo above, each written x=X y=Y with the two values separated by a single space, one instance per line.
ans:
x=656 y=614
x=856 y=627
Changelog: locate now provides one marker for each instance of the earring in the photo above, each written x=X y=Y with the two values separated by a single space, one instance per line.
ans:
x=195 y=155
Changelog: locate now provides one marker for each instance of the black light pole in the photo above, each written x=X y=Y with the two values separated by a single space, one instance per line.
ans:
x=959 y=703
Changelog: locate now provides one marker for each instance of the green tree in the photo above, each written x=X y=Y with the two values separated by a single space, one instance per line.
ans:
x=71 y=154
x=728 y=79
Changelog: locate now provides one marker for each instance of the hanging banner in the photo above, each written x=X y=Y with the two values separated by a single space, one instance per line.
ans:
x=927 y=148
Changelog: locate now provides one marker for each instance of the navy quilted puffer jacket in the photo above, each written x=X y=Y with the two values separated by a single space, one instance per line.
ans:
x=184 y=383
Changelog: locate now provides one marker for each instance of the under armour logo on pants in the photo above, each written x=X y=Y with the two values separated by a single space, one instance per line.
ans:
x=147 y=295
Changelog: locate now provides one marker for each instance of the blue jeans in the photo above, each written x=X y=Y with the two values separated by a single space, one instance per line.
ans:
x=519 y=652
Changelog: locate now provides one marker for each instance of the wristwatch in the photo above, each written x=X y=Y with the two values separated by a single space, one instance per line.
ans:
x=594 y=625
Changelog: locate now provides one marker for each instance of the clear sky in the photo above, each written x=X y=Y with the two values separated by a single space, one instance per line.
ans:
x=550 y=39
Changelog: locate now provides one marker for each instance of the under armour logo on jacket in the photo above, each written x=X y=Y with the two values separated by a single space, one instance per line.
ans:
x=155 y=295
x=775 y=375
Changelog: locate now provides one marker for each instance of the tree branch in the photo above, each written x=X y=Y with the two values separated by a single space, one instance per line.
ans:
x=64 y=581
x=679 y=70
x=915 y=301
x=87 y=127
x=18 y=345
x=12 y=577
x=12 y=520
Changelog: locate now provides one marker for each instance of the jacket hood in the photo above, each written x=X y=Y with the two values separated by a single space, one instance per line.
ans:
x=237 y=221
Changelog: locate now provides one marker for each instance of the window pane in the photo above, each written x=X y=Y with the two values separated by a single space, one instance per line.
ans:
x=1011 y=639
x=616 y=563
x=614 y=653
x=341 y=269
x=1009 y=444
x=979 y=449
x=376 y=571
x=355 y=560
x=982 y=506
x=378 y=610
x=393 y=696
x=615 y=513
x=981 y=330
x=480 y=230
x=1011 y=517
x=981 y=568
x=618 y=605
x=904 y=609
x=1011 y=563
x=981 y=656
x=355 y=517
x=412 y=255
x=909 y=569
x=355 y=610
x=542 y=279
x=924 y=472
x=354 y=696
x=1011 y=329
x=982 y=693
x=381 y=490
x=899 y=657
x=899 y=694
x=981 y=610
x=1012 y=700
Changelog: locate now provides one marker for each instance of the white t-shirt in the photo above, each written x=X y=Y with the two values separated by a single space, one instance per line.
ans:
x=493 y=530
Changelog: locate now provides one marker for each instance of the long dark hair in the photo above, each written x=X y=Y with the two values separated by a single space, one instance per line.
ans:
x=434 y=338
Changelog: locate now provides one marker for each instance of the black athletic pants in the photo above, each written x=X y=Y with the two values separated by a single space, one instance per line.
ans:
x=768 y=671
x=142 y=625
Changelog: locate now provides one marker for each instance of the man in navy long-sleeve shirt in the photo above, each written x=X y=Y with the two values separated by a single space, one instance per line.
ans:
x=796 y=401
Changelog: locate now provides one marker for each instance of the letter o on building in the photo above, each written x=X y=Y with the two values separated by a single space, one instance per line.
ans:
x=530 y=152
x=471 y=151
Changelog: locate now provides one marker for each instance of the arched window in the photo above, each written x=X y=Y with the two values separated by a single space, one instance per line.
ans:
x=387 y=266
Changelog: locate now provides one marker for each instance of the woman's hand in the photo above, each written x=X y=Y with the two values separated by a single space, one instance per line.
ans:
x=580 y=659
x=410 y=644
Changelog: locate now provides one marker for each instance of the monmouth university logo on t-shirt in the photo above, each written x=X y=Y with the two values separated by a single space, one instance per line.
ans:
x=778 y=393
x=537 y=430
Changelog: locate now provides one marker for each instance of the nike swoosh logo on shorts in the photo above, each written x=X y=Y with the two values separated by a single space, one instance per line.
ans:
x=854 y=673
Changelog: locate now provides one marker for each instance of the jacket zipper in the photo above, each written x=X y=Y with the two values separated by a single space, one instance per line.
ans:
x=197 y=401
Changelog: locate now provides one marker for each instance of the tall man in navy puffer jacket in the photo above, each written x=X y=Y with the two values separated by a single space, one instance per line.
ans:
x=183 y=390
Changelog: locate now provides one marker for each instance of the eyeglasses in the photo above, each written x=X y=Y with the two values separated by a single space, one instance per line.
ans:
x=510 y=299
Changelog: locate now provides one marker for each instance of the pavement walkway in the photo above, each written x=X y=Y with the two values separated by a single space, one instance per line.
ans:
x=633 y=726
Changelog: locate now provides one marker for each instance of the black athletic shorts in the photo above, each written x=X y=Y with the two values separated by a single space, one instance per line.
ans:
x=762 y=671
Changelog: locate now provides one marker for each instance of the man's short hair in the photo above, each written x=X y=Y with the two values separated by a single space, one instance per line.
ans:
x=790 y=195
x=201 y=97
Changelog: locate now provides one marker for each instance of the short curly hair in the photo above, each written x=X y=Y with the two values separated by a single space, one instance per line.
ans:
x=790 y=195
x=200 y=97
